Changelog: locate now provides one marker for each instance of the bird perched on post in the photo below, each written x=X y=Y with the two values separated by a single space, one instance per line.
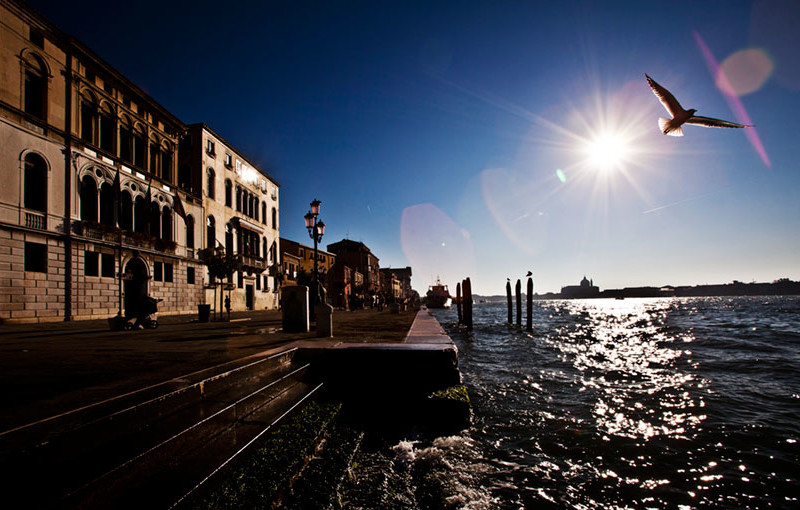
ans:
x=529 y=274
x=672 y=127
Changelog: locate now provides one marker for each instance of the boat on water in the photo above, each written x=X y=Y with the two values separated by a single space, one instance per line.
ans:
x=438 y=296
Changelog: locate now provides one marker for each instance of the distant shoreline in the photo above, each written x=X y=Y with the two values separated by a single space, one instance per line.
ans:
x=782 y=287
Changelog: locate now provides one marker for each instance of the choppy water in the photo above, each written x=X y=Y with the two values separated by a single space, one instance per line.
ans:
x=640 y=403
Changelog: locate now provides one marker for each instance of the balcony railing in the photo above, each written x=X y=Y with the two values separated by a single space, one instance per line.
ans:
x=253 y=263
x=33 y=220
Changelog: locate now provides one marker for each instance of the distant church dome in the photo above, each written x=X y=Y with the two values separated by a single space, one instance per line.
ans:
x=585 y=282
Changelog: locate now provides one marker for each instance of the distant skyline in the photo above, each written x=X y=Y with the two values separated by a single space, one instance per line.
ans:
x=488 y=139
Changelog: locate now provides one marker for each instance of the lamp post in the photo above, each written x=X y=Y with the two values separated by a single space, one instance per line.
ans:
x=316 y=229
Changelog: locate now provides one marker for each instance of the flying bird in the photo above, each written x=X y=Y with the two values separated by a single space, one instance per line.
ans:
x=529 y=274
x=672 y=127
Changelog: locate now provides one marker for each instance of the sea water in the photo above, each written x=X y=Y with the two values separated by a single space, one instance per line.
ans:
x=635 y=403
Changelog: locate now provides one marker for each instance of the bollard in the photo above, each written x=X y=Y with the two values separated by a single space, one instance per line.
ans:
x=529 y=325
x=519 y=303
x=458 y=302
x=508 y=297
x=468 y=303
x=324 y=313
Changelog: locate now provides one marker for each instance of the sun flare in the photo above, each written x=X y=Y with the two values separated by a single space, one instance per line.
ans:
x=607 y=152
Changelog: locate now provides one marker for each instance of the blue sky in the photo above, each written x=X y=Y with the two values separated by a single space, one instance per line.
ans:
x=453 y=137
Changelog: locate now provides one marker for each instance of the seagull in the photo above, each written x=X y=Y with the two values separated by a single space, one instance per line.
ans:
x=529 y=274
x=672 y=127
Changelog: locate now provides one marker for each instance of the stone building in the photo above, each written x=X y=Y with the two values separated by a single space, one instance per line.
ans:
x=400 y=279
x=90 y=219
x=108 y=197
x=358 y=257
x=240 y=203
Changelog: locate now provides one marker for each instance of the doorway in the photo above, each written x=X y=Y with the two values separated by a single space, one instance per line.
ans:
x=135 y=285
x=249 y=297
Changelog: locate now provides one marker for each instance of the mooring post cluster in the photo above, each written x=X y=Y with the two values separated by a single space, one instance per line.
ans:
x=529 y=307
x=464 y=303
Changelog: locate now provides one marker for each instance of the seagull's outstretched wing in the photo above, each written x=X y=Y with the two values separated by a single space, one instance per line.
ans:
x=709 y=122
x=667 y=99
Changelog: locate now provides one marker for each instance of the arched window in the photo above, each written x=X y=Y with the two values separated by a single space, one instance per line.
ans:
x=238 y=198
x=228 y=193
x=166 y=224
x=88 y=117
x=88 y=196
x=35 y=197
x=211 y=183
x=255 y=207
x=125 y=211
x=166 y=161
x=211 y=233
x=264 y=213
x=108 y=129
x=190 y=231
x=275 y=218
x=139 y=146
x=185 y=177
x=126 y=139
x=107 y=204
x=140 y=215
x=264 y=249
x=228 y=239
x=273 y=252
x=155 y=220
x=35 y=91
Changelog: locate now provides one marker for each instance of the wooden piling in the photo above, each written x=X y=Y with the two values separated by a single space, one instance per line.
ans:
x=458 y=303
x=519 y=303
x=468 y=303
x=529 y=324
x=508 y=297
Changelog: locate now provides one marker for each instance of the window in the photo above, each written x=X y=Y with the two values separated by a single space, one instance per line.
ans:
x=238 y=198
x=153 y=158
x=35 y=257
x=35 y=183
x=211 y=182
x=125 y=211
x=90 y=263
x=264 y=213
x=228 y=193
x=190 y=275
x=107 y=204
x=258 y=283
x=35 y=91
x=189 y=231
x=274 y=218
x=138 y=149
x=240 y=280
x=107 y=130
x=168 y=272
x=126 y=142
x=158 y=271
x=210 y=148
x=166 y=163
x=107 y=265
x=228 y=160
x=266 y=284
x=88 y=196
x=88 y=119
x=166 y=224
x=155 y=220
x=211 y=234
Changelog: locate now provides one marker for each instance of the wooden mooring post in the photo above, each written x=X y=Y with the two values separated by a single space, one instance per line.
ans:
x=529 y=324
x=458 y=303
x=467 y=298
x=519 y=303
x=508 y=297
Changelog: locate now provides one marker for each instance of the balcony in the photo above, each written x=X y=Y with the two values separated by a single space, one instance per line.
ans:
x=252 y=264
x=37 y=221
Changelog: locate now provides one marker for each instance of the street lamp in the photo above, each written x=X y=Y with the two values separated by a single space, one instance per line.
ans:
x=316 y=229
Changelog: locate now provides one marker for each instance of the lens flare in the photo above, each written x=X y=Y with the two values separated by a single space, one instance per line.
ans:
x=744 y=72
x=561 y=175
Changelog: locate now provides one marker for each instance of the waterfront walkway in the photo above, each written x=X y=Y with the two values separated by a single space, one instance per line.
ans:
x=50 y=368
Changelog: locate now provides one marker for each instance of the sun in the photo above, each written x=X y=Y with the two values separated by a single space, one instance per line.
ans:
x=607 y=152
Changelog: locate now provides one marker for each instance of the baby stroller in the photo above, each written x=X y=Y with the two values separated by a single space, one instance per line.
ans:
x=146 y=316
